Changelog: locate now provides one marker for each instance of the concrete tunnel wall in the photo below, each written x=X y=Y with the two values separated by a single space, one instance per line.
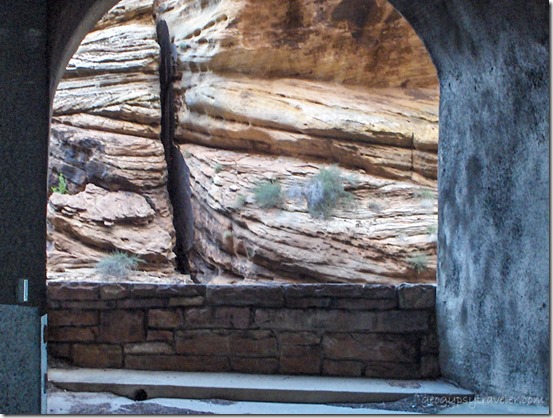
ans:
x=493 y=249
x=32 y=38
x=493 y=190
x=24 y=124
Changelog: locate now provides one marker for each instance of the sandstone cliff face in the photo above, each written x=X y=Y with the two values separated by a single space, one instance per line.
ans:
x=371 y=239
x=104 y=139
x=278 y=89
x=347 y=81
x=265 y=90
x=357 y=42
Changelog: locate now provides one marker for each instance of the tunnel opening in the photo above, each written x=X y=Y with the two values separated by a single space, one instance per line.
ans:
x=158 y=323
x=375 y=119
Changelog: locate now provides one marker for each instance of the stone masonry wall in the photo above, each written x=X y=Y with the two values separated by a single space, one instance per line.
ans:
x=379 y=331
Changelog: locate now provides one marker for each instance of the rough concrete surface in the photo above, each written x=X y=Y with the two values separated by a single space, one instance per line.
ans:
x=79 y=403
x=139 y=384
x=493 y=243
x=23 y=148
x=20 y=380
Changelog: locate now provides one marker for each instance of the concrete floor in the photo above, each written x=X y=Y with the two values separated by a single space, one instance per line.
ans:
x=248 y=387
x=78 y=403
x=105 y=391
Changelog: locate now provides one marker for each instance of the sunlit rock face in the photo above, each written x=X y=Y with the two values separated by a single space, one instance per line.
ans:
x=370 y=238
x=346 y=81
x=278 y=89
x=266 y=90
x=96 y=220
x=104 y=140
x=355 y=42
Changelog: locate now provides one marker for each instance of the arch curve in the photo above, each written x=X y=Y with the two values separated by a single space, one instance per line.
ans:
x=492 y=60
x=70 y=21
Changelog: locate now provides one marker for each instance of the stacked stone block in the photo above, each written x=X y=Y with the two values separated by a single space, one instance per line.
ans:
x=379 y=331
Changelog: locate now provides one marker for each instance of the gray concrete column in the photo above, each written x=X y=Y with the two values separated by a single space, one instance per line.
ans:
x=20 y=361
x=24 y=121
x=492 y=59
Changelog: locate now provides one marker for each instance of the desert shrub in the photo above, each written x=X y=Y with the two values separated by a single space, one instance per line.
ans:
x=61 y=188
x=375 y=207
x=117 y=265
x=239 y=202
x=268 y=194
x=218 y=168
x=425 y=194
x=325 y=191
x=426 y=197
x=432 y=229
x=418 y=262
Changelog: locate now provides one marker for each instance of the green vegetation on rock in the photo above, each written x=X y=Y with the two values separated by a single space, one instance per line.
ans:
x=117 y=265
x=418 y=262
x=239 y=202
x=268 y=194
x=324 y=192
x=61 y=188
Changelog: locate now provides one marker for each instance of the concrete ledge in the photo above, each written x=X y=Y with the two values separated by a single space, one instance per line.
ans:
x=247 y=387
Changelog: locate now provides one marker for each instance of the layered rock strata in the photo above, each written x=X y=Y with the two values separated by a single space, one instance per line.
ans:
x=354 y=42
x=271 y=90
x=386 y=132
x=105 y=141
x=374 y=238
x=288 y=87
x=346 y=81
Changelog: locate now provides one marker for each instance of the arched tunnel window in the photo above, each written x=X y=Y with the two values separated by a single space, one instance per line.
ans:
x=310 y=130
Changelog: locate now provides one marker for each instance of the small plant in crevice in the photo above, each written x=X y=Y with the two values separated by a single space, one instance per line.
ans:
x=268 y=194
x=432 y=229
x=239 y=202
x=375 y=207
x=324 y=191
x=218 y=168
x=426 y=197
x=425 y=194
x=117 y=265
x=61 y=188
x=418 y=262
x=227 y=235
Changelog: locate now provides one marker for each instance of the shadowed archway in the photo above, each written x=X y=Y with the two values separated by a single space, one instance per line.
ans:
x=493 y=258
x=488 y=55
